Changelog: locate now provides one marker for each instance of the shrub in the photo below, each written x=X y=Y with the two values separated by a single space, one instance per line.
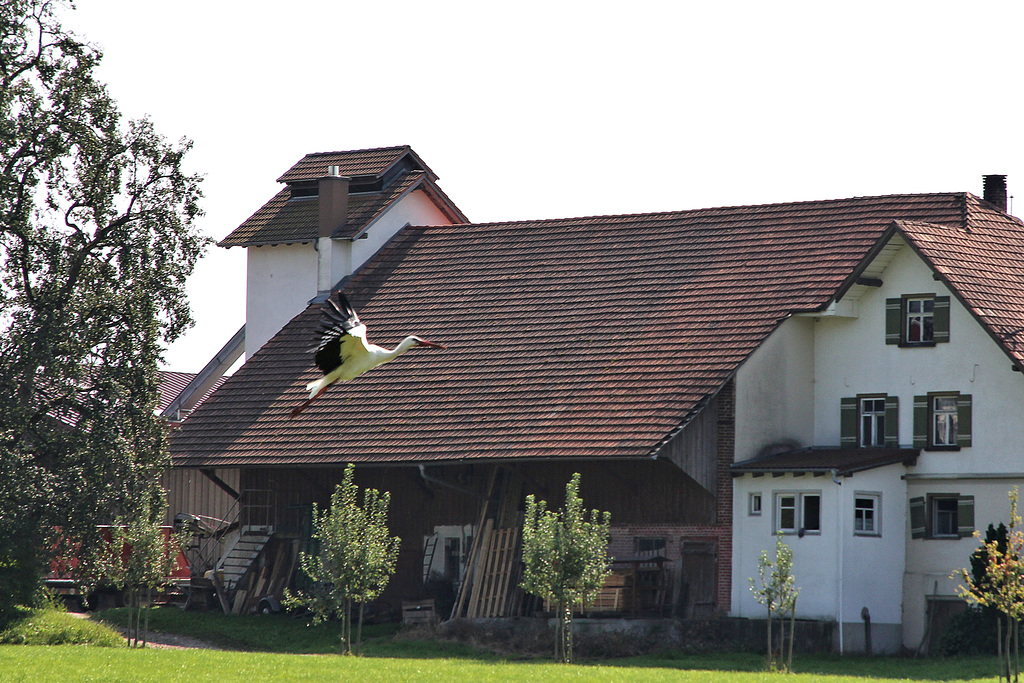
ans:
x=49 y=626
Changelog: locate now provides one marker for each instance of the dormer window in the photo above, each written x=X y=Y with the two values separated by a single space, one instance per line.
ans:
x=917 y=320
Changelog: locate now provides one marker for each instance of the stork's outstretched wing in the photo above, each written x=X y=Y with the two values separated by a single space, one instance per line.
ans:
x=342 y=352
x=342 y=335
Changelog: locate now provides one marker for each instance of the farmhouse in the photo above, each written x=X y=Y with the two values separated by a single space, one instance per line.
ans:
x=717 y=376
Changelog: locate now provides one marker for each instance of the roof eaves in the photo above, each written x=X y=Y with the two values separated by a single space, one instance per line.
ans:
x=268 y=243
x=424 y=183
x=384 y=209
x=904 y=456
x=870 y=256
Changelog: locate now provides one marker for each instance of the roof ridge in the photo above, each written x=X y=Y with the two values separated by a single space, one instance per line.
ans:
x=678 y=212
x=357 y=151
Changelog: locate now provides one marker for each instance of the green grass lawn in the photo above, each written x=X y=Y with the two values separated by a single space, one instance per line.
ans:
x=75 y=663
x=282 y=648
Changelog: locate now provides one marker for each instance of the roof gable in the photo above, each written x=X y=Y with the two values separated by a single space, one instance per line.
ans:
x=588 y=337
x=379 y=178
x=982 y=263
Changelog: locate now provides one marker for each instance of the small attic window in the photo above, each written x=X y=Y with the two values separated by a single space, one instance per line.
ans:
x=303 y=191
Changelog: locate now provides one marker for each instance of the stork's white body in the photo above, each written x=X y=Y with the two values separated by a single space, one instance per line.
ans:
x=357 y=357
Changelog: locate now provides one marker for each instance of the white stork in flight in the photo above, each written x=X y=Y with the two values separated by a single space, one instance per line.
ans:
x=343 y=353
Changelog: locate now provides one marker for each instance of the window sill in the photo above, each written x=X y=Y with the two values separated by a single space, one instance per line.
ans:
x=939 y=449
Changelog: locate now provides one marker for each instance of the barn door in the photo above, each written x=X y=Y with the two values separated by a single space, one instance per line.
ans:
x=698 y=575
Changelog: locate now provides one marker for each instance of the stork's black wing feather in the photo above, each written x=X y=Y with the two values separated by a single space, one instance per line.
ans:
x=339 y=319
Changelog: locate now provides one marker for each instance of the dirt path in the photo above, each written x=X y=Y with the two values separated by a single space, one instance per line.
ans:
x=166 y=641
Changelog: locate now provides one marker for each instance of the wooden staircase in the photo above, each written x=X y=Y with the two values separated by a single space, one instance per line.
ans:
x=242 y=553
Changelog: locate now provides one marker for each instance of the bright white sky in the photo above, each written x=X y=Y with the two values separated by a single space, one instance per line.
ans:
x=552 y=109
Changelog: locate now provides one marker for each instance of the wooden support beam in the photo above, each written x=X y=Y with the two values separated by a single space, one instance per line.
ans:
x=223 y=485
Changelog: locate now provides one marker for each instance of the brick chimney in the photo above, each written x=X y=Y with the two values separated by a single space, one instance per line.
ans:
x=333 y=201
x=995 y=191
x=333 y=205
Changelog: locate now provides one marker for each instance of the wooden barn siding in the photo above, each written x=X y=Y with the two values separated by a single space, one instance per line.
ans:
x=190 y=491
x=693 y=449
x=636 y=493
x=416 y=507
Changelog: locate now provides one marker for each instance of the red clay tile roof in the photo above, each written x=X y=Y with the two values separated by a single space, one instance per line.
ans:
x=354 y=164
x=821 y=460
x=170 y=385
x=285 y=221
x=575 y=338
x=173 y=383
x=385 y=175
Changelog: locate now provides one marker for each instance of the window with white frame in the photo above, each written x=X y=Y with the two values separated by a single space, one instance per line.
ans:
x=920 y=320
x=866 y=510
x=869 y=421
x=944 y=419
x=754 y=507
x=917 y=320
x=797 y=513
x=872 y=421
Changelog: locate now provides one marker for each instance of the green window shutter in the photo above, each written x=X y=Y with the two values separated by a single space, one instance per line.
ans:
x=893 y=320
x=921 y=422
x=940 y=320
x=848 y=419
x=892 y=421
x=965 y=516
x=917 y=517
x=963 y=420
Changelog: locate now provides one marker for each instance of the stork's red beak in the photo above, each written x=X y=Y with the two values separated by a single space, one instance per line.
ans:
x=424 y=342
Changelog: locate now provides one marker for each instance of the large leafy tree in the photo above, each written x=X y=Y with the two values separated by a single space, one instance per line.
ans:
x=565 y=558
x=97 y=237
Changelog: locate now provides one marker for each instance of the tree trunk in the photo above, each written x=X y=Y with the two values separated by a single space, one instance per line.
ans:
x=792 y=637
x=567 y=634
x=145 y=627
x=1016 y=650
x=359 y=629
x=998 y=642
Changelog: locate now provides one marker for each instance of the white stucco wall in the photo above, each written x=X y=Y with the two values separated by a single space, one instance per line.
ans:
x=281 y=280
x=415 y=208
x=891 y=575
x=837 y=571
x=775 y=391
x=851 y=357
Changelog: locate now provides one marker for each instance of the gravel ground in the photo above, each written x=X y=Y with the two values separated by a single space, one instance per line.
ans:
x=168 y=641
